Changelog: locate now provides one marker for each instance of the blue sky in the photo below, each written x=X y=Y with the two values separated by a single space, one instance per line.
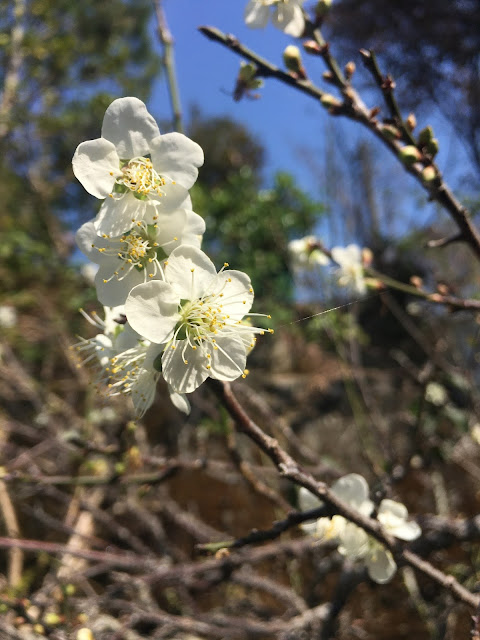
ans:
x=296 y=132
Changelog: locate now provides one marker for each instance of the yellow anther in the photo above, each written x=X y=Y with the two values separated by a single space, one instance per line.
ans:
x=269 y=317
x=150 y=275
x=192 y=270
x=110 y=195
x=225 y=264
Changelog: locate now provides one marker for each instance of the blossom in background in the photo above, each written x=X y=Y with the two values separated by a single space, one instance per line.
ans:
x=132 y=165
x=286 y=15
x=304 y=253
x=136 y=256
x=350 y=272
x=351 y=489
x=352 y=541
x=198 y=314
x=8 y=316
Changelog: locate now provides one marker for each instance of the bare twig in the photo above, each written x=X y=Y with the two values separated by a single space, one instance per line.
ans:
x=353 y=108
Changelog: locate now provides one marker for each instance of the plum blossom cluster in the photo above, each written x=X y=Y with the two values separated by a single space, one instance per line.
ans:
x=352 y=541
x=168 y=312
x=349 y=263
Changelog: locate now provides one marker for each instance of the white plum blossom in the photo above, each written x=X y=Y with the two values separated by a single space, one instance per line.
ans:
x=197 y=313
x=124 y=363
x=136 y=256
x=305 y=254
x=286 y=15
x=132 y=166
x=351 y=489
x=352 y=541
x=350 y=271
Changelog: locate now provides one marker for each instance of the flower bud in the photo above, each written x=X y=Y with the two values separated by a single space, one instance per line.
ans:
x=390 y=132
x=411 y=121
x=416 y=281
x=293 y=61
x=367 y=257
x=84 y=634
x=429 y=174
x=433 y=147
x=350 y=69
x=322 y=8
x=425 y=136
x=329 y=101
x=410 y=154
x=312 y=47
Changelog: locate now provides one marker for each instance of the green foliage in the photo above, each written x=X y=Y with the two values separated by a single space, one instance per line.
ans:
x=250 y=228
x=70 y=62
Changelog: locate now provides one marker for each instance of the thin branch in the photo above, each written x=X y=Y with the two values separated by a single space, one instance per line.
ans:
x=353 y=108
x=166 y=39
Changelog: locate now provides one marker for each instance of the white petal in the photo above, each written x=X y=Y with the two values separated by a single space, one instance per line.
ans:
x=129 y=126
x=347 y=256
x=177 y=157
x=193 y=230
x=126 y=339
x=116 y=216
x=393 y=516
x=190 y=271
x=179 y=401
x=143 y=391
x=381 y=565
x=114 y=292
x=152 y=310
x=170 y=229
x=184 y=378
x=310 y=528
x=228 y=359
x=289 y=18
x=87 y=236
x=96 y=165
x=353 y=541
x=237 y=292
x=174 y=197
x=307 y=500
x=353 y=489
x=256 y=15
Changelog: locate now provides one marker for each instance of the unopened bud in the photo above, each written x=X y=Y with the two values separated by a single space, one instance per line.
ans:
x=429 y=174
x=85 y=634
x=311 y=47
x=293 y=60
x=247 y=71
x=416 y=281
x=329 y=101
x=410 y=154
x=322 y=8
x=350 y=69
x=425 y=136
x=433 y=147
x=328 y=76
x=367 y=257
x=411 y=121
x=390 y=132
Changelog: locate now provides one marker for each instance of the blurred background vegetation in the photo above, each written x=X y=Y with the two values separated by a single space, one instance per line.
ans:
x=386 y=387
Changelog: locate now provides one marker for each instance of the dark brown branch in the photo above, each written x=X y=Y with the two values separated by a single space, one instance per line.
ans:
x=289 y=469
